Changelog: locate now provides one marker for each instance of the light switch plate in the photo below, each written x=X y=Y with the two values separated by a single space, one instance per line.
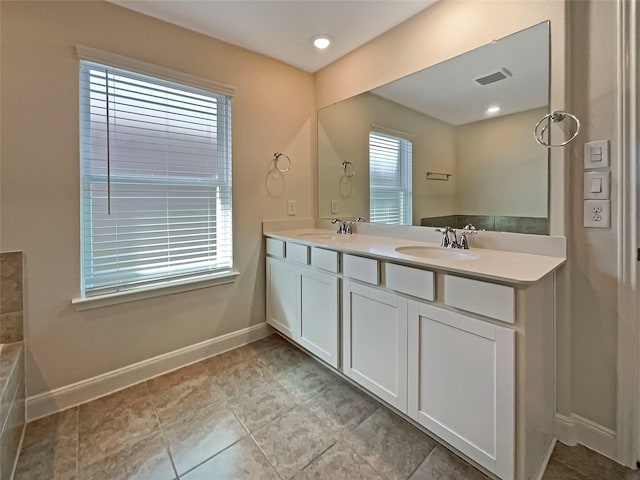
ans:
x=334 y=206
x=596 y=154
x=597 y=213
x=291 y=207
x=605 y=185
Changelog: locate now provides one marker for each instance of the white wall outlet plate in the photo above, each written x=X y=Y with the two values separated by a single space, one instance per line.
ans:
x=597 y=213
x=334 y=206
x=596 y=154
x=291 y=207
x=597 y=185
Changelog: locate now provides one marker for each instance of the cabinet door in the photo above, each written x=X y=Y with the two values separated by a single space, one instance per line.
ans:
x=281 y=296
x=375 y=341
x=318 y=319
x=461 y=384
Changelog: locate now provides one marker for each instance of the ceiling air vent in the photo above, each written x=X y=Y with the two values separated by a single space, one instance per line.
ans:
x=493 y=77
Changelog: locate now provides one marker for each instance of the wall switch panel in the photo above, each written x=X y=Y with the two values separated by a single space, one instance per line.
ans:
x=597 y=213
x=291 y=207
x=597 y=185
x=334 y=206
x=596 y=154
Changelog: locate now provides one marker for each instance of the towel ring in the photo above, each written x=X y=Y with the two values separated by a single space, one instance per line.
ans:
x=349 y=169
x=276 y=161
x=555 y=117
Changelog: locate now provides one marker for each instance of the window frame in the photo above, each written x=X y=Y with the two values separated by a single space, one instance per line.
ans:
x=405 y=172
x=167 y=285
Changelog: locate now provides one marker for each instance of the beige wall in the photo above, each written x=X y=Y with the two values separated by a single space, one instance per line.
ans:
x=273 y=110
x=594 y=252
x=343 y=133
x=501 y=169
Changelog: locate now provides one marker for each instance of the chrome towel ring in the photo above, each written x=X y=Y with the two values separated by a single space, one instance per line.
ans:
x=278 y=158
x=555 y=117
x=349 y=169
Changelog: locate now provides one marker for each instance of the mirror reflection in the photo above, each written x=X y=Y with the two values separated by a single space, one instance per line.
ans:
x=448 y=145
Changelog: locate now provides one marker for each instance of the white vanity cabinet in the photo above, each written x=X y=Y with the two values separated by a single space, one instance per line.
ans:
x=281 y=296
x=303 y=302
x=467 y=356
x=318 y=319
x=374 y=341
x=461 y=383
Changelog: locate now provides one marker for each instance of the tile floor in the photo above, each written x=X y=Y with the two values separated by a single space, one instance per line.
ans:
x=264 y=411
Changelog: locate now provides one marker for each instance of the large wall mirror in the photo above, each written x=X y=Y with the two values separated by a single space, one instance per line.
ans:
x=449 y=145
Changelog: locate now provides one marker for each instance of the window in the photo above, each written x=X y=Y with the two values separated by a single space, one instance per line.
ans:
x=155 y=180
x=390 y=160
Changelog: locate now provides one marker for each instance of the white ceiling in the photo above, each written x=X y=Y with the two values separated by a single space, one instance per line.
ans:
x=448 y=92
x=283 y=29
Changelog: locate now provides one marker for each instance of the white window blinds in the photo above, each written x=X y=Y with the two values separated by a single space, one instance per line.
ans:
x=155 y=180
x=390 y=161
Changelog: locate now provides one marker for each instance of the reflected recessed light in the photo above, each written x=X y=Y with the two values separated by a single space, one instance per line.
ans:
x=493 y=109
x=321 y=41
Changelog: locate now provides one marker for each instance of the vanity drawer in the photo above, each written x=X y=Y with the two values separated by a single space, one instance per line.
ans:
x=324 y=259
x=297 y=253
x=360 y=268
x=275 y=248
x=412 y=281
x=475 y=296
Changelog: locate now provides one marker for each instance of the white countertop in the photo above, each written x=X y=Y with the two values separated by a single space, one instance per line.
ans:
x=503 y=266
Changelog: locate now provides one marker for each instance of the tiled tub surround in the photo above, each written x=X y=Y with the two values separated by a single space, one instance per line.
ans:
x=11 y=297
x=12 y=404
x=532 y=225
x=12 y=391
x=265 y=411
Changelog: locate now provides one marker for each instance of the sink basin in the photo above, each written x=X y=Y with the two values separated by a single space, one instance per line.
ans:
x=437 y=253
x=323 y=236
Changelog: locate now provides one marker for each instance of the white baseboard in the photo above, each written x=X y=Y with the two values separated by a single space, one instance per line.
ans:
x=53 y=401
x=575 y=430
x=545 y=462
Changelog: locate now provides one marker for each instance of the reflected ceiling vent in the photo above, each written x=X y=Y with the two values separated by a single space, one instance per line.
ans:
x=493 y=77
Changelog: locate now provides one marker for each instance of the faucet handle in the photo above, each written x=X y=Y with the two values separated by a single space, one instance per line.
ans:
x=469 y=229
x=361 y=219
x=445 y=236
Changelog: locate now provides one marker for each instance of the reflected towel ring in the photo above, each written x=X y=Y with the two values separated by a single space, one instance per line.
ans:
x=349 y=169
x=276 y=161
x=555 y=117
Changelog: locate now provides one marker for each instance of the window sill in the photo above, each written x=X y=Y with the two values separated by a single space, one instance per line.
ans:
x=99 y=301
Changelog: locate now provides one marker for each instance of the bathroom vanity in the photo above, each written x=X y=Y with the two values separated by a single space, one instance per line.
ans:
x=459 y=341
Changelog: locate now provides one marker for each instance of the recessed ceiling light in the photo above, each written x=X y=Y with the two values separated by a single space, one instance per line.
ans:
x=321 y=41
x=493 y=109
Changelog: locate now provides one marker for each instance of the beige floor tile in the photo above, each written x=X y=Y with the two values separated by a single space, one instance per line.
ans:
x=443 y=465
x=282 y=358
x=177 y=393
x=201 y=435
x=147 y=459
x=592 y=464
x=390 y=445
x=241 y=377
x=262 y=404
x=114 y=422
x=558 y=471
x=293 y=440
x=340 y=462
x=306 y=379
x=343 y=406
x=242 y=461
x=49 y=448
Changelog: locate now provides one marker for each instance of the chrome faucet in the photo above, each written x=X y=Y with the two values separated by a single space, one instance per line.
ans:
x=342 y=226
x=469 y=229
x=449 y=238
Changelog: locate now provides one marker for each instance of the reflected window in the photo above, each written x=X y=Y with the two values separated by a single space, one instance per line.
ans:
x=390 y=161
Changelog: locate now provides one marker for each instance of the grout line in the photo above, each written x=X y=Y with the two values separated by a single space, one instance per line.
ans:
x=265 y=456
x=159 y=423
x=191 y=469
